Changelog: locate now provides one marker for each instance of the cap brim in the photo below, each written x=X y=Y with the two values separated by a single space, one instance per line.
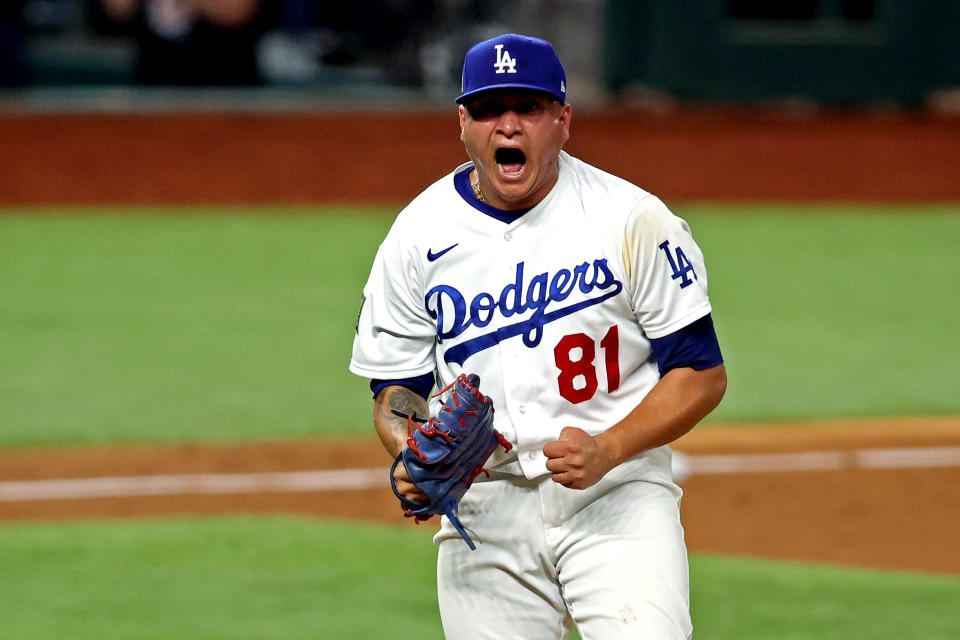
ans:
x=508 y=85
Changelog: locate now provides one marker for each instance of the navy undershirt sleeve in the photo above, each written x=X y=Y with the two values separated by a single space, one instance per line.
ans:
x=693 y=346
x=422 y=385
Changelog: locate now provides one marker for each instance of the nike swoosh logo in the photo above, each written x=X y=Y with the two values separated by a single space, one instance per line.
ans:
x=431 y=256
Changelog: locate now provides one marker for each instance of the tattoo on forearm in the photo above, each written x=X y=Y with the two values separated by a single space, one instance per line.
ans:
x=390 y=411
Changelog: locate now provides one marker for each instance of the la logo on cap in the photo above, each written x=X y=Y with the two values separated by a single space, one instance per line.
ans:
x=512 y=61
x=504 y=63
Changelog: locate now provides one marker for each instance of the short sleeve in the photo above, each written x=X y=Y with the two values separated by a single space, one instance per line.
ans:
x=395 y=337
x=666 y=274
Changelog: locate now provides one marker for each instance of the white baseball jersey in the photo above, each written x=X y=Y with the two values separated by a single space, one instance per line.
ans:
x=554 y=311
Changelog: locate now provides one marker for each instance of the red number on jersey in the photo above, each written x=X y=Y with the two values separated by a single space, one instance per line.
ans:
x=578 y=376
x=611 y=351
x=571 y=369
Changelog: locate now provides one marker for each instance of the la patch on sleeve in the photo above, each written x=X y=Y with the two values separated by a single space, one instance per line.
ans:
x=679 y=264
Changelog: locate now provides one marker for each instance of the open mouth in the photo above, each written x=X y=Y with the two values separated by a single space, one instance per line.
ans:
x=510 y=160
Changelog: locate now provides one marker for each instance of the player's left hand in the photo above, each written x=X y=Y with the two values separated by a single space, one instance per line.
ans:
x=576 y=460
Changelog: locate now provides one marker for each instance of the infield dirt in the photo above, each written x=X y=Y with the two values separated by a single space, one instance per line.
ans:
x=896 y=518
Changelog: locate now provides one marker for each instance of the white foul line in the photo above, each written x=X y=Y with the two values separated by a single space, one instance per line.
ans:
x=356 y=479
x=765 y=462
x=918 y=457
x=202 y=483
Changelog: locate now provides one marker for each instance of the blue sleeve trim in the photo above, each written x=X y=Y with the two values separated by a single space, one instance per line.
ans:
x=423 y=385
x=693 y=346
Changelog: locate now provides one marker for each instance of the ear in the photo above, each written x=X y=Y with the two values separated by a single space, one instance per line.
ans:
x=462 y=112
x=566 y=113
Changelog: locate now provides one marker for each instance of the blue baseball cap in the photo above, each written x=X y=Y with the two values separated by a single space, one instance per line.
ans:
x=513 y=61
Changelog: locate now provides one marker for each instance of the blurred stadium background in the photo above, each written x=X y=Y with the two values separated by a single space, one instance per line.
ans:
x=190 y=194
x=853 y=52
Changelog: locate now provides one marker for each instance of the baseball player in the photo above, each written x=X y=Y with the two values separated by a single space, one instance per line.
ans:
x=581 y=303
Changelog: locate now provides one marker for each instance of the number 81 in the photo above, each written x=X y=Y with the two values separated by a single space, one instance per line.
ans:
x=571 y=369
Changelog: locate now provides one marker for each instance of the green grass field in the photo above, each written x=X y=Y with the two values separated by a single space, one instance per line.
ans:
x=172 y=328
x=243 y=578
x=169 y=326
x=153 y=327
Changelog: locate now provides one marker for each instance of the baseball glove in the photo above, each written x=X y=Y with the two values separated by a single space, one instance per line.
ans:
x=446 y=453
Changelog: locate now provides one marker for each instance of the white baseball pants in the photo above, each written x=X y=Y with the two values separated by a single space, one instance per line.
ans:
x=610 y=559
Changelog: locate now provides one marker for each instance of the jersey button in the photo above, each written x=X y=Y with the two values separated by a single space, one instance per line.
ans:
x=507 y=236
x=522 y=408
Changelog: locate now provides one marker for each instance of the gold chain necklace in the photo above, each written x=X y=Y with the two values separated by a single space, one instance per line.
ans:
x=476 y=189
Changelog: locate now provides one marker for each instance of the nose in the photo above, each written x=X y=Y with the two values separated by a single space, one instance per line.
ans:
x=509 y=123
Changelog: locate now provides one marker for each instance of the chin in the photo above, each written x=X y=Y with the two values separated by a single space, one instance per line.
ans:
x=512 y=193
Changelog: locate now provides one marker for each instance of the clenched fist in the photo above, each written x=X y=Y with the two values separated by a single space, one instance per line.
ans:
x=577 y=460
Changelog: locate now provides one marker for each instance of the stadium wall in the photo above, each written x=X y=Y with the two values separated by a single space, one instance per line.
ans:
x=369 y=157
